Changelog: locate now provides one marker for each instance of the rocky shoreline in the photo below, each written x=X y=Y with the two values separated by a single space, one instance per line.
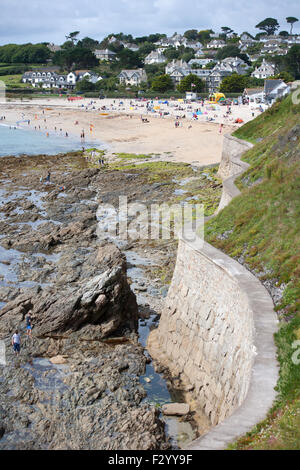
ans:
x=77 y=383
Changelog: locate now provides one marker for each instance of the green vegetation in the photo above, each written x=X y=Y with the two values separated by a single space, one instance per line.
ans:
x=191 y=83
x=162 y=83
x=132 y=156
x=280 y=115
x=262 y=226
x=269 y=26
x=233 y=83
x=158 y=171
x=14 y=81
x=24 y=53
x=280 y=431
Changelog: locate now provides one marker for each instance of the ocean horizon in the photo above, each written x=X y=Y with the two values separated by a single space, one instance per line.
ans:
x=16 y=141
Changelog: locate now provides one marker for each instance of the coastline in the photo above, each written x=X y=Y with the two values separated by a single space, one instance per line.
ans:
x=120 y=128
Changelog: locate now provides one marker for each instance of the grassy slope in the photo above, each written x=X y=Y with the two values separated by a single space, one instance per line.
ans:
x=262 y=226
x=14 y=81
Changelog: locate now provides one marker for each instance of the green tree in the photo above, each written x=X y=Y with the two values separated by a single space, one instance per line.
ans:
x=233 y=84
x=269 y=25
x=253 y=82
x=83 y=58
x=292 y=60
x=84 y=85
x=67 y=45
x=228 y=51
x=191 y=34
x=284 y=34
x=115 y=47
x=129 y=59
x=291 y=20
x=285 y=76
x=24 y=53
x=162 y=83
x=78 y=57
x=226 y=31
x=108 y=84
x=171 y=53
x=204 y=35
x=146 y=48
x=191 y=83
x=63 y=59
x=88 y=43
x=187 y=55
x=73 y=37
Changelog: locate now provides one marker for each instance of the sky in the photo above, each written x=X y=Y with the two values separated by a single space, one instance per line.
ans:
x=23 y=21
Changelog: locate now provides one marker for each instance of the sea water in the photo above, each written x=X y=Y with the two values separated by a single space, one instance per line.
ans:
x=18 y=141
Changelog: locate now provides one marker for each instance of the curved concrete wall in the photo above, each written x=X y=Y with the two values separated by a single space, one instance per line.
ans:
x=231 y=166
x=216 y=333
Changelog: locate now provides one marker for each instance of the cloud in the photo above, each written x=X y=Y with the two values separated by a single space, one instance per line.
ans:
x=37 y=20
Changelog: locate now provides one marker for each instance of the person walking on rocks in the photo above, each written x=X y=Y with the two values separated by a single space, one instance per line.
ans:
x=29 y=324
x=16 y=342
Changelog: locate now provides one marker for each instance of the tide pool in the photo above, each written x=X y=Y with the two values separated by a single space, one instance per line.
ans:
x=22 y=141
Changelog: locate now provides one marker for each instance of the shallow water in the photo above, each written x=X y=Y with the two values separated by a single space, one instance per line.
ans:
x=26 y=141
x=158 y=393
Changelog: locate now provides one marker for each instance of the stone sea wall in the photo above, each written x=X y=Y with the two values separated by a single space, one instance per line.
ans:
x=216 y=330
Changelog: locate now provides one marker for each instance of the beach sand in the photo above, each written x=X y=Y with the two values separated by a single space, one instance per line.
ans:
x=120 y=128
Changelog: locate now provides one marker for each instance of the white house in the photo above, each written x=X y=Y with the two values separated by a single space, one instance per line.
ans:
x=216 y=44
x=53 y=47
x=275 y=89
x=132 y=77
x=104 y=54
x=265 y=70
x=50 y=79
x=131 y=46
x=176 y=64
x=200 y=62
x=155 y=57
x=254 y=95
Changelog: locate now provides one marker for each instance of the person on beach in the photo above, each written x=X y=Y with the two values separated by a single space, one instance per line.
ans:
x=16 y=342
x=47 y=179
x=29 y=324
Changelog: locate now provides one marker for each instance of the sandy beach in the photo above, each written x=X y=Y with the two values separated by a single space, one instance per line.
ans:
x=118 y=125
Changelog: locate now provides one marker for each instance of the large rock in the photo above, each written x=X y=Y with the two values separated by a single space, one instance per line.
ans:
x=176 y=409
x=100 y=299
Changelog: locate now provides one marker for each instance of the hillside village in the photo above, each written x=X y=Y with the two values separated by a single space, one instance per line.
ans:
x=199 y=61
